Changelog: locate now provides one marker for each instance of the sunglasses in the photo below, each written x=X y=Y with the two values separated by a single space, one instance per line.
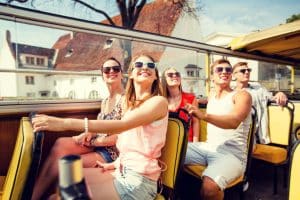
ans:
x=223 y=69
x=150 y=65
x=244 y=70
x=171 y=74
x=115 y=69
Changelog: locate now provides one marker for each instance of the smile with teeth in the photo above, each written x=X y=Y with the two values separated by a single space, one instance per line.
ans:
x=144 y=73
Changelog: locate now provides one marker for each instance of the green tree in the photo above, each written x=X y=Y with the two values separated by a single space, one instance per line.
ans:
x=293 y=18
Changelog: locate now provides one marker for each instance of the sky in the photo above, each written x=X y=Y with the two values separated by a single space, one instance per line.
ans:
x=234 y=16
x=226 y=16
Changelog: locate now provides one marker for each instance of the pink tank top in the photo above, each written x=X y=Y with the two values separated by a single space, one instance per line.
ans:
x=140 y=148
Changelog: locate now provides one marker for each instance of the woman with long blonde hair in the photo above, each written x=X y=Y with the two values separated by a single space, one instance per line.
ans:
x=142 y=136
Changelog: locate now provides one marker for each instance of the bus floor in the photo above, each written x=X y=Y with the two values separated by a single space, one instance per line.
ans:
x=260 y=185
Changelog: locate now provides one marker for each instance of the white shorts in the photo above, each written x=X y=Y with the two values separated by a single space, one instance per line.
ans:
x=222 y=167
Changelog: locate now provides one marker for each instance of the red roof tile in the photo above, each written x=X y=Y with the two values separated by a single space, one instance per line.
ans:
x=88 y=52
x=62 y=41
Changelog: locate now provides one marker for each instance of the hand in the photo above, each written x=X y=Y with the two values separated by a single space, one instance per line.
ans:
x=193 y=110
x=45 y=122
x=105 y=166
x=79 y=139
x=281 y=99
x=85 y=139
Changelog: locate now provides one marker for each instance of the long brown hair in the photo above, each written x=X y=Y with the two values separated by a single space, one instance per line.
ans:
x=130 y=96
x=165 y=84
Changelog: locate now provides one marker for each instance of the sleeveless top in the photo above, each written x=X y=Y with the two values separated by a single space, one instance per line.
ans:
x=115 y=114
x=186 y=98
x=232 y=141
x=140 y=148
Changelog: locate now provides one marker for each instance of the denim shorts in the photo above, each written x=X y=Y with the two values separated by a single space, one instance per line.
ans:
x=131 y=185
x=104 y=153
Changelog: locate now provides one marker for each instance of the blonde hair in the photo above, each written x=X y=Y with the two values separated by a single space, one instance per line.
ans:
x=165 y=84
x=217 y=62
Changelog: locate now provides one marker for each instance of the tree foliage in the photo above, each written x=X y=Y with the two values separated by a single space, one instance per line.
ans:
x=293 y=18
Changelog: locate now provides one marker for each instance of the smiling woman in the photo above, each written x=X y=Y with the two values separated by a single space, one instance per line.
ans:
x=144 y=124
x=177 y=99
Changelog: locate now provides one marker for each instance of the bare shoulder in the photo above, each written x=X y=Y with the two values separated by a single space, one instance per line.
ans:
x=243 y=93
x=243 y=96
x=159 y=104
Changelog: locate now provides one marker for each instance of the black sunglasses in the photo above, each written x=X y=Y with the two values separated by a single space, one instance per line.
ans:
x=244 y=70
x=222 y=69
x=171 y=74
x=150 y=65
x=115 y=69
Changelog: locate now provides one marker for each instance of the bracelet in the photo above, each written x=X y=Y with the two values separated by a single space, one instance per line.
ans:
x=86 y=125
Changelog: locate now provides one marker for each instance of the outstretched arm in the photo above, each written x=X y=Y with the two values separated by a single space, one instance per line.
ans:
x=242 y=106
x=151 y=110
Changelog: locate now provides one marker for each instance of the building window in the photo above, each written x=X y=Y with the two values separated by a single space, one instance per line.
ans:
x=54 y=94
x=108 y=43
x=71 y=81
x=191 y=73
x=29 y=80
x=72 y=94
x=30 y=94
x=44 y=93
x=40 y=61
x=54 y=83
x=93 y=94
x=94 y=79
x=29 y=60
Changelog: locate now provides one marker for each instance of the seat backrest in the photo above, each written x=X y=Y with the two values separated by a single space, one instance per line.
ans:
x=250 y=141
x=280 y=123
x=173 y=153
x=20 y=163
x=203 y=127
x=294 y=174
x=35 y=164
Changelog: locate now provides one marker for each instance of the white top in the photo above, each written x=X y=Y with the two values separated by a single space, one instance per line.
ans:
x=233 y=141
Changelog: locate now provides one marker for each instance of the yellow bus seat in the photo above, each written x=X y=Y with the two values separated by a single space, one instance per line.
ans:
x=202 y=129
x=173 y=155
x=20 y=163
x=294 y=172
x=196 y=170
x=280 y=129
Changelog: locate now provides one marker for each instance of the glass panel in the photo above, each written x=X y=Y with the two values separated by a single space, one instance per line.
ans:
x=45 y=63
x=297 y=81
x=169 y=18
x=272 y=76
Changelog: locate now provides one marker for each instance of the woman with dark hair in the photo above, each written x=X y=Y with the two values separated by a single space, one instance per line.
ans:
x=142 y=133
x=99 y=147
